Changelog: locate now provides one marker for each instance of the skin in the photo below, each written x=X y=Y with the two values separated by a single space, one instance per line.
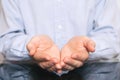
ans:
x=76 y=52
x=47 y=55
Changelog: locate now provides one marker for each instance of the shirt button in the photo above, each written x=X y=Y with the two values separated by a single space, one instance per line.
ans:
x=59 y=26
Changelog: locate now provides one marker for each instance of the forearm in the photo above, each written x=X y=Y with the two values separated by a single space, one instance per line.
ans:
x=14 y=46
x=107 y=44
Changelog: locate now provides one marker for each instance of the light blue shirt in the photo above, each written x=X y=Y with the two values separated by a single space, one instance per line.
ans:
x=61 y=20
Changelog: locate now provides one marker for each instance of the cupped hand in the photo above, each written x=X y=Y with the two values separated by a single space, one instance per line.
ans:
x=43 y=50
x=76 y=52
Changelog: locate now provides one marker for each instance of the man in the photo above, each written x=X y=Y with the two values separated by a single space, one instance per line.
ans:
x=59 y=36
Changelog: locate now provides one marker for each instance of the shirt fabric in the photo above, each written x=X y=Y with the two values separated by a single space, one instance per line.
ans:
x=61 y=20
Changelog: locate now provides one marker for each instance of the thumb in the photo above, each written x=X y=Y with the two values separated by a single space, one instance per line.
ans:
x=31 y=48
x=90 y=45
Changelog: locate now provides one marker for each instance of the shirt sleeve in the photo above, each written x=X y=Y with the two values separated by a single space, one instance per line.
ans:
x=14 y=39
x=103 y=30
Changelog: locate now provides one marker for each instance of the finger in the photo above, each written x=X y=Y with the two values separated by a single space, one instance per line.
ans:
x=47 y=64
x=51 y=69
x=58 y=66
x=59 y=71
x=81 y=56
x=67 y=68
x=32 y=51
x=90 y=45
x=31 y=48
x=54 y=69
x=41 y=57
x=73 y=63
x=62 y=63
x=65 y=52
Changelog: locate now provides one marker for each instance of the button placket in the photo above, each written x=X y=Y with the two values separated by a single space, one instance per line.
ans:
x=59 y=27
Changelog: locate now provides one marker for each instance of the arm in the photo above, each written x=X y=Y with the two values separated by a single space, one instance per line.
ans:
x=17 y=44
x=103 y=32
x=14 y=39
